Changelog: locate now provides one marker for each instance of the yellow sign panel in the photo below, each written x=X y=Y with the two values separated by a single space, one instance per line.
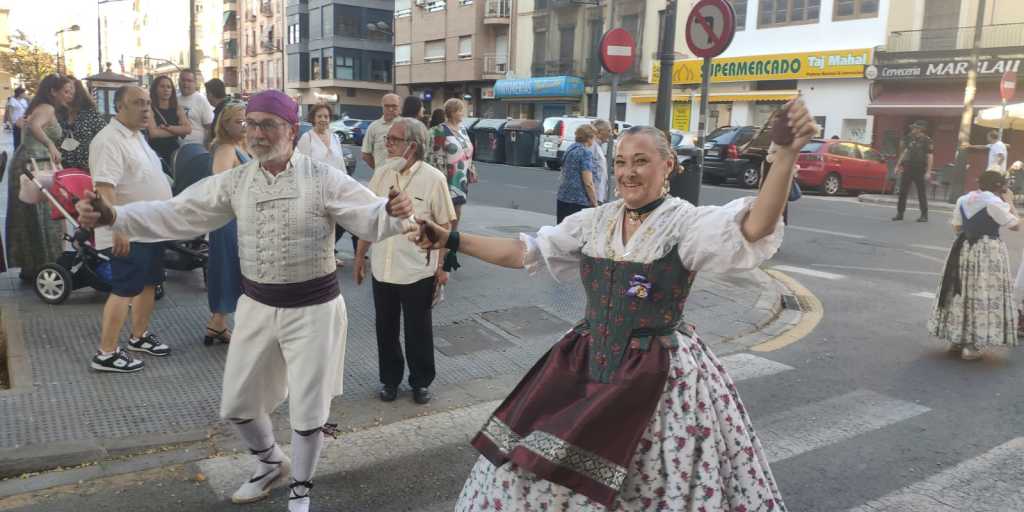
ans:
x=783 y=66
x=681 y=115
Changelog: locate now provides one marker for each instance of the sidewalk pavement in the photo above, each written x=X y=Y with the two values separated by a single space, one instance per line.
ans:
x=490 y=330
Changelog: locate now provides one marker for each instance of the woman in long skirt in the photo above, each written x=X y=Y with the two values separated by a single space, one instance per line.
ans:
x=974 y=307
x=630 y=410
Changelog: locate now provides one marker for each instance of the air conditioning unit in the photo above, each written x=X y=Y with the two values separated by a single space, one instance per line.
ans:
x=421 y=3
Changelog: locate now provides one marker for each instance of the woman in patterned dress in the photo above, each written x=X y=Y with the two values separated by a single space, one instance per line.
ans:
x=33 y=239
x=80 y=122
x=974 y=307
x=452 y=153
x=630 y=411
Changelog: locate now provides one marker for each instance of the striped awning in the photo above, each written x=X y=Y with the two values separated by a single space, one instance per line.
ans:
x=723 y=97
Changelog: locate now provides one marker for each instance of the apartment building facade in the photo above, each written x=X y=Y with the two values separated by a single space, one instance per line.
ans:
x=454 y=49
x=921 y=72
x=340 y=53
x=253 y=46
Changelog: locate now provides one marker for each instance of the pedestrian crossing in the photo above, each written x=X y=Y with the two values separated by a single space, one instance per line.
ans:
x=990 y=482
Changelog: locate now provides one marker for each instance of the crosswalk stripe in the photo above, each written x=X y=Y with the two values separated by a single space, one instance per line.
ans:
x=744 y=366
x=925 y=295
x=990 y=482
x=931 y=247
x=808 y=272
x=826 y=232
x=790 y=433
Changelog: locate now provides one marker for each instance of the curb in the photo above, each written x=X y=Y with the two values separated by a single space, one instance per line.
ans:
x=778 y=322
x=798 y=322
x=933 y=204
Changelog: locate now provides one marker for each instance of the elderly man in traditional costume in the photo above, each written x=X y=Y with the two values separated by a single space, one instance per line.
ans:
x=291 y=323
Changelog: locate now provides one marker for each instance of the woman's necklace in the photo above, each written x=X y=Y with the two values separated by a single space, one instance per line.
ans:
x=637 y=216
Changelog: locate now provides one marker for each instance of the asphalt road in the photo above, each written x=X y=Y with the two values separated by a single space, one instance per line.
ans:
x=864 y=413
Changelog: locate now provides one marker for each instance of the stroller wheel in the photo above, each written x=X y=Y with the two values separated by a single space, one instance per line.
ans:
x=158 y=291
x=53 y=283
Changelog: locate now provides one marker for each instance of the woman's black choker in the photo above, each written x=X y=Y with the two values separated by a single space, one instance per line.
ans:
x=647 y=208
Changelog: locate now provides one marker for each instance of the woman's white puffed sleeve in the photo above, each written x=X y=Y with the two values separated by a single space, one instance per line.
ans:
x=711 y=239
x=558 y=248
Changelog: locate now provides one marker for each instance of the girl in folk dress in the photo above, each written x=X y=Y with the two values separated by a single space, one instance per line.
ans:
x=974 y=307
x=630 y=411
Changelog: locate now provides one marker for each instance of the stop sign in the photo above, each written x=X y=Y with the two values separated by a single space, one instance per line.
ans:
x=1008 y=85
x=618 y=51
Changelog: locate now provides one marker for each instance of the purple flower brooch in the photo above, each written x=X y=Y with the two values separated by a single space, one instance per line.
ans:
x=639 y=287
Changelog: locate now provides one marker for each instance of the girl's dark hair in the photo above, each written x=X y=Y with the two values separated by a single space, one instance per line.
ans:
x=436 y=117
x=45 y=92
x=83 y=99
x=156 y=99
x=311 y=117
x=992 y=181
x=412 y=106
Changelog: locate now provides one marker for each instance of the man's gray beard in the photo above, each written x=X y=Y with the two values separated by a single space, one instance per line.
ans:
x=279 y=152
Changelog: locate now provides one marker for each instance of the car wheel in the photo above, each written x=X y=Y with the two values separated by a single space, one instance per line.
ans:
x=751 y=177
x=53 y=283
x=832 y=185
x=553 y=165
x=158 y=292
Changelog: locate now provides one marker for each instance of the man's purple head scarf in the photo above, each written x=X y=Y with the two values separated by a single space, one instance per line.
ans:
x=275 y=102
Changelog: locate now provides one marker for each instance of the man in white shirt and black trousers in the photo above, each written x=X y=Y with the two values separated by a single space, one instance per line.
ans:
x=405 y=277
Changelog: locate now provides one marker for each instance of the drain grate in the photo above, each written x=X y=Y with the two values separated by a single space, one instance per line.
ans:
x=797 y=303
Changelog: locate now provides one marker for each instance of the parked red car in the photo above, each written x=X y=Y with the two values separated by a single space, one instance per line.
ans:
x=834 y=166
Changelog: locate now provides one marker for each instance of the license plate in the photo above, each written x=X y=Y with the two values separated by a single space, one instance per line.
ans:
x=549 y=145
x=713 y=152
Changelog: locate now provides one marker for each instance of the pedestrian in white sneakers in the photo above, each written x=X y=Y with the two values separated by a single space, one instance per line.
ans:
x=974 y=307
x=289 y=339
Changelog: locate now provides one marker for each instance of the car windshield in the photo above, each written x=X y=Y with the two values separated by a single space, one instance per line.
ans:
x=718 y=131
x=811 y=147
x=724 y=137
x=550 y=123
x=676 y=139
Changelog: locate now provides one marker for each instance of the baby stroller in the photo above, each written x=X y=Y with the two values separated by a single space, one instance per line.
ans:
x=83 y=266
x=190 y=163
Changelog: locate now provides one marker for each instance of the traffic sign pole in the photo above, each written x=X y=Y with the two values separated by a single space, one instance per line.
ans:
x=663 y=110
x=1007 y=88
x=692 y=187
x=1002 y=121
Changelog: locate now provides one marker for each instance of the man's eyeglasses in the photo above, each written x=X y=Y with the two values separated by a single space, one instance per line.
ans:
x=395 y=140
x=264 y=126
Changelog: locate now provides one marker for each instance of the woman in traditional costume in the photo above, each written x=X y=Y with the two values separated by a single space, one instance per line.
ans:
x=975 y=307
x=631 y=411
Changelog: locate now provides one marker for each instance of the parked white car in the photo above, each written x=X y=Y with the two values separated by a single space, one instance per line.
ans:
x=559 y=134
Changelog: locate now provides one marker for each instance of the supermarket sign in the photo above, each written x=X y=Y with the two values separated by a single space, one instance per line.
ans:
x=782 y=66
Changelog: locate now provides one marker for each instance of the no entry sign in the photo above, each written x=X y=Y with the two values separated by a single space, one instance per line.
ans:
x=618 y=51
x=1008 y=85
x=710 y=28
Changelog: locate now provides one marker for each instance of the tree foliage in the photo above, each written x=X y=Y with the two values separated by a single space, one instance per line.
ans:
x=27 y=62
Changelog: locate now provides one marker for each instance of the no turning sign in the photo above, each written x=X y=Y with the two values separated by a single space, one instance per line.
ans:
x=710 y=28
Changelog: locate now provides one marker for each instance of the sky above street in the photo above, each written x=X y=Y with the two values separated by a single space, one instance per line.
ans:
x=41 y=19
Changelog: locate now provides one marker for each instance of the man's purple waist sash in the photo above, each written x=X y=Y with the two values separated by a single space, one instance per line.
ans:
x=293 y=295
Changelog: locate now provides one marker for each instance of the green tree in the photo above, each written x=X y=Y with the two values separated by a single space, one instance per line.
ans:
x=27 y=62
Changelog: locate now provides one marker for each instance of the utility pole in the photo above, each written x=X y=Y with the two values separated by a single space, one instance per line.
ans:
x=971 y=89
x=193 y=56
x=663 y=112
x=613 y=109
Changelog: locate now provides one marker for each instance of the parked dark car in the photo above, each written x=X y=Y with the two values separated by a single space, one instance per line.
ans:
x=833 y=166
x=724 y=157
x=359 y=131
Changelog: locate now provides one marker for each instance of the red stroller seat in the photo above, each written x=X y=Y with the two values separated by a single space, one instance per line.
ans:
x=69 y=185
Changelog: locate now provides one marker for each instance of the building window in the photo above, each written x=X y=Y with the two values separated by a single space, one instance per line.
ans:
x=402 y=54
x=853 y=9
x=435 y=5
x=314 y=68
x=345 y=68
x=740 y=6
x=776 y=13
x=434 y=50
x=466 y=46
x=380 y=70
x=327 y=68
x=403 y=8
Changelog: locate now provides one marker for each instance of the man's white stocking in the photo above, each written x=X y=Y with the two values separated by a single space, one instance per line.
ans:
x=306 y=446
x=273 y=464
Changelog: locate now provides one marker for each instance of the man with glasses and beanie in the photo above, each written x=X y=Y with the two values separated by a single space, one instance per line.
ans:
x=291 y=321
x=915 y=166
x=405 y=277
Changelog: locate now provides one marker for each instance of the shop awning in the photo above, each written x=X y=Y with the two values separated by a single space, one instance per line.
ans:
x=920 y=99
x=724 y=97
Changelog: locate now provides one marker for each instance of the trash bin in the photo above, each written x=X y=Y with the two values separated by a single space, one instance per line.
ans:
x=488 y=137
x=522 y=140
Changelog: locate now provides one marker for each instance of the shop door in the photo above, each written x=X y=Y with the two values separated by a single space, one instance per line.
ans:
x=552 y=111
x=941 y=17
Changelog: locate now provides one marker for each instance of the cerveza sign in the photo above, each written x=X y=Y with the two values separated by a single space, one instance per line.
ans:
x=543 y=87
x=782 y=66
x=941 y=69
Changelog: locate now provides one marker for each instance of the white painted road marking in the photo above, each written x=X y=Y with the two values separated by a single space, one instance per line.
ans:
x=748 y=366
x=925 y=295
x=876 y=269
x=790 y=433
x=808 y=272
x=990 y=482
x=931 y=247
x=825 y=232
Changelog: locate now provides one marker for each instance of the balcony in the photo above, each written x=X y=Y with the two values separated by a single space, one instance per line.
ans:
x=955 y=38
x=561 y=67
x=498 y=12
x=270 y=46
x=495 y=66
x=250 y=50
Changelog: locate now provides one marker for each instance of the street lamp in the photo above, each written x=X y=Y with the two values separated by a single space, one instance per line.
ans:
x=60 y=42
x=382 y=27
